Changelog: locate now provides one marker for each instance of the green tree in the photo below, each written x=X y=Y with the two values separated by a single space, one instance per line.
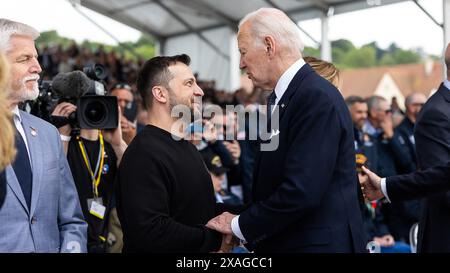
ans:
x=387 y=60
x=343 y=44
x=362 y=57
x=406 y=56
x=48 y=38
x=311 y=51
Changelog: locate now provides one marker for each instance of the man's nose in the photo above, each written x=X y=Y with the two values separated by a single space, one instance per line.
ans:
x=199 y=91
x=35 y=67
x=242 y=64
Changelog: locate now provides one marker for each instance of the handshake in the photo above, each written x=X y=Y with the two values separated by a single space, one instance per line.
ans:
x=222 y=224
x=370 y=185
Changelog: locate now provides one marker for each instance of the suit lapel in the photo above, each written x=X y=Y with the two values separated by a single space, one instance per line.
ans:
x=13 y=183
x=282 y=106
x=34 y=145
x=292 y=88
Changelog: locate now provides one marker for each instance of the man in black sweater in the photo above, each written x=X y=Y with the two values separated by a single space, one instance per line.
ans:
x=165 y=195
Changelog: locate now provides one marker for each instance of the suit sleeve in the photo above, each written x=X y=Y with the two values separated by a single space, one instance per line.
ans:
x=433 y=142
x=315 y=130
x=72 y=227
x=145 y=203
x=419 y=184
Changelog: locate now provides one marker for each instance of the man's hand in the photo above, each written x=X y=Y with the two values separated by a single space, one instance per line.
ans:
x=228 y=243
x=222 y=224
x=128 y=129
x=387 y=126
x=64 y=109
x=371 y=185
x=234 y=149
x=209 y=132
x=385 y=241
x=114 y=137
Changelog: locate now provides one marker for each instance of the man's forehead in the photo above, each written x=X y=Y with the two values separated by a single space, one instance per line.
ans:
x=418 y=98
x=121 y=92
x=22 y=45
x=181 y=70
x=244 y=33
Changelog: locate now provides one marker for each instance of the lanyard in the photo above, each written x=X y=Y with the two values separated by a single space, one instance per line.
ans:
x=95 y=176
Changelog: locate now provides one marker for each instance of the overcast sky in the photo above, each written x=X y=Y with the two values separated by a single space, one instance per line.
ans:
x=403 y=23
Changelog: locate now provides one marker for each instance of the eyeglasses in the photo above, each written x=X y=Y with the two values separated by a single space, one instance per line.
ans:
x=122 y=86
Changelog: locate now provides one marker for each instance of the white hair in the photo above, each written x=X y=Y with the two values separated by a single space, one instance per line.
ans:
x=274 y=22
x=9 y=28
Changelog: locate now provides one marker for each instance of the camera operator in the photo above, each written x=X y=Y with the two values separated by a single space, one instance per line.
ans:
x=93 y=157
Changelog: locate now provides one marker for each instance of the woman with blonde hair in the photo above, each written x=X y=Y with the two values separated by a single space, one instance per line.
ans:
x=325 y=69
x=7 y=148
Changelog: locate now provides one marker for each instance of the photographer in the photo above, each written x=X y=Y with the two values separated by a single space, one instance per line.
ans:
x=92 y=172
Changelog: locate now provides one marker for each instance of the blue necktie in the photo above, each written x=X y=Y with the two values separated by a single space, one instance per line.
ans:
x=22 y=168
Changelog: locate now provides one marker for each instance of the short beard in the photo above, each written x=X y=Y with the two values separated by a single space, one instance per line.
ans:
x=173 y=103
x=24 y=94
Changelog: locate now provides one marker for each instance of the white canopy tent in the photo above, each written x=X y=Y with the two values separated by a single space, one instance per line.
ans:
x=206 y=29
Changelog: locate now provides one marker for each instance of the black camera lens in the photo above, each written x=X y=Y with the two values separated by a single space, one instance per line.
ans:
x=97 y=72
x=96 y=112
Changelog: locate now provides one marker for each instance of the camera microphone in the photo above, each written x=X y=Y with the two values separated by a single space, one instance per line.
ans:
x=71 y=85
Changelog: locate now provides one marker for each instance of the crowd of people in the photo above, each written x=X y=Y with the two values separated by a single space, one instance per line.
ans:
x=155 y=184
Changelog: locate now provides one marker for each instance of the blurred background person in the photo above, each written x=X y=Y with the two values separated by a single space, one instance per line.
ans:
x=405 y=130
x=217 y=172
x=128 y=108
x=389 y=157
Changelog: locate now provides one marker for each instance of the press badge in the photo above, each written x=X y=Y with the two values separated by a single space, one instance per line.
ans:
x=96 y=207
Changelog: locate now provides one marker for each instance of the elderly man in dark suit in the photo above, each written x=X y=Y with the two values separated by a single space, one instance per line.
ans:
x=304 y=190
x=432 y=135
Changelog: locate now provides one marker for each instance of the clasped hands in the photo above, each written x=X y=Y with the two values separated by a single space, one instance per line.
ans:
x=370 y=185
x=222 y=224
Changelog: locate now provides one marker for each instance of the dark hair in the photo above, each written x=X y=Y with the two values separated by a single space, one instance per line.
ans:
x=354 y=99
x=156 y=72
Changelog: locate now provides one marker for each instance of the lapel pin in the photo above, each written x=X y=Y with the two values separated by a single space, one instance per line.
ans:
x=282 y=106
x=33 y=132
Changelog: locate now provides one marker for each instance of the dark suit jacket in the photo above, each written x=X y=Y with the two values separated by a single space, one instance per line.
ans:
x=419 y=184
x=304 y=192
x=432 y=135
x=403 y=132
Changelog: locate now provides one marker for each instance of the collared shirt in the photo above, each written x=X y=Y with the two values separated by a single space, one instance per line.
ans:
x=20 y=129
x=280 y=89
x=286 y=79
x=447 y=84
x=370 y=130
x=384 y=189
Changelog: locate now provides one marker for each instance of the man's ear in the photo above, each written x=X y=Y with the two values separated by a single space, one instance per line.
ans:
x=269 y=44
x=160 y=94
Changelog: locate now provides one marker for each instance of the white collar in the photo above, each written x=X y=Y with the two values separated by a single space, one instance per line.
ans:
x=287 y=77
x=447 y=84
x=16 y=113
